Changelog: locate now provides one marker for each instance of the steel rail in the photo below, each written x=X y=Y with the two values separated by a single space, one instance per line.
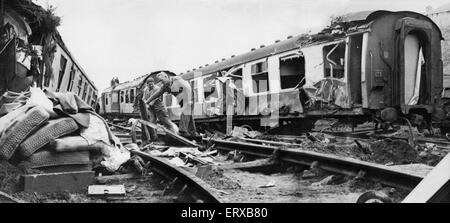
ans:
x=162 y=166
x=340 y=165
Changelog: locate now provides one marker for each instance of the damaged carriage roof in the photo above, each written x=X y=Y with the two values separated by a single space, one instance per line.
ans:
x=357 y=20
x=136 y=82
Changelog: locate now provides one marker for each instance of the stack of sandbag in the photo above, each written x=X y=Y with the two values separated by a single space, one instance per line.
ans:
x=57 y=131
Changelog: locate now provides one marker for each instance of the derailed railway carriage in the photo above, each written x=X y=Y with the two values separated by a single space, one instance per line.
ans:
x=369 y=65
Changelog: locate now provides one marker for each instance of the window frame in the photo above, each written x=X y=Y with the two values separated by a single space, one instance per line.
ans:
x=264 y=71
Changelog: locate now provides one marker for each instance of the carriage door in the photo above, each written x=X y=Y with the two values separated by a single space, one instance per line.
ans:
x=413 y=66
x=115 y=105
x=414 y=56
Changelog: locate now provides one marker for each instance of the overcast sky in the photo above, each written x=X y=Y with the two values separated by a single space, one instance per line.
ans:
x=129 y=38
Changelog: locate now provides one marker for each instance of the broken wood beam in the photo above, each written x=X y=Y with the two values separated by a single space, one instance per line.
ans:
x=4 y=197
x=248 y=165
x=259 y=141
x=170 y=134
x=113 y=178
x=122 y=127
x=58 y=182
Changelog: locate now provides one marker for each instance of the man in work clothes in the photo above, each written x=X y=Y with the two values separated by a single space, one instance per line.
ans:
x=156 y=109
x=176 y=85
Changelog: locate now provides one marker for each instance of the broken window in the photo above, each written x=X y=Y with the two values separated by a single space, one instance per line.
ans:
x=260 y=77
x=334 y=60
x=237 y=74
x=62 y=70
x=292 y=71
x=122 y=94
x=132 y=95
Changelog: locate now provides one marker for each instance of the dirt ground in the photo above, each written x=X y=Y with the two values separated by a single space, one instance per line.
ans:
x=289 y=185
x=384 y=151
x=149 y=189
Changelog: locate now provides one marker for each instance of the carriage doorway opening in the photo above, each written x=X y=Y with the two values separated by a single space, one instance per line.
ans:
x=414 y=68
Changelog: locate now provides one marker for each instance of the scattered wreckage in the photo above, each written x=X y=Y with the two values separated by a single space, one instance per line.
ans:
x=56 y=132
x=197 y=170
x=367 y=66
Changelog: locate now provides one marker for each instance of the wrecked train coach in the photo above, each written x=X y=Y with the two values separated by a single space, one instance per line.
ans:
x=368 y=65
x=32 y=51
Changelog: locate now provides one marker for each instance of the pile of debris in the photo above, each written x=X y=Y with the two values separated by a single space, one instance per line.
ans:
x=182 y=156
x=49 y=132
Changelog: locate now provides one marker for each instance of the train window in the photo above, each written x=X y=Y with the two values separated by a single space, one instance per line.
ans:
x=334 y=60
x=89 y=95
x=260 y=77
x=80 y=85
x=127 y=98
x=84 y=91
x=237 y=73
x=71 y=77
x=132 y=96
x=292 y=71
x=63 y=63
x=122 y=93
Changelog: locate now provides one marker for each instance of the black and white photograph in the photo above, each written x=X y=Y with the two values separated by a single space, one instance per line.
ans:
x=248 y=102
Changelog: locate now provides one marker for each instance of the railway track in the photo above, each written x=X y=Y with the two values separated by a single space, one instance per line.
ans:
x=339 y=165
x=440 y=143
x=268 y=149
x=183 y=183
x=182 y=180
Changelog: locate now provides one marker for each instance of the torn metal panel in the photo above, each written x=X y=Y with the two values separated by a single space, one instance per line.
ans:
x=314 y=66
x=329 y=91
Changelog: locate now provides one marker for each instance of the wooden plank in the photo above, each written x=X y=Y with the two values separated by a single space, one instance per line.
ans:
x=248 y=165
x=170 y=134
x=112 y=178
x=270 y=142
x=58 y=182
